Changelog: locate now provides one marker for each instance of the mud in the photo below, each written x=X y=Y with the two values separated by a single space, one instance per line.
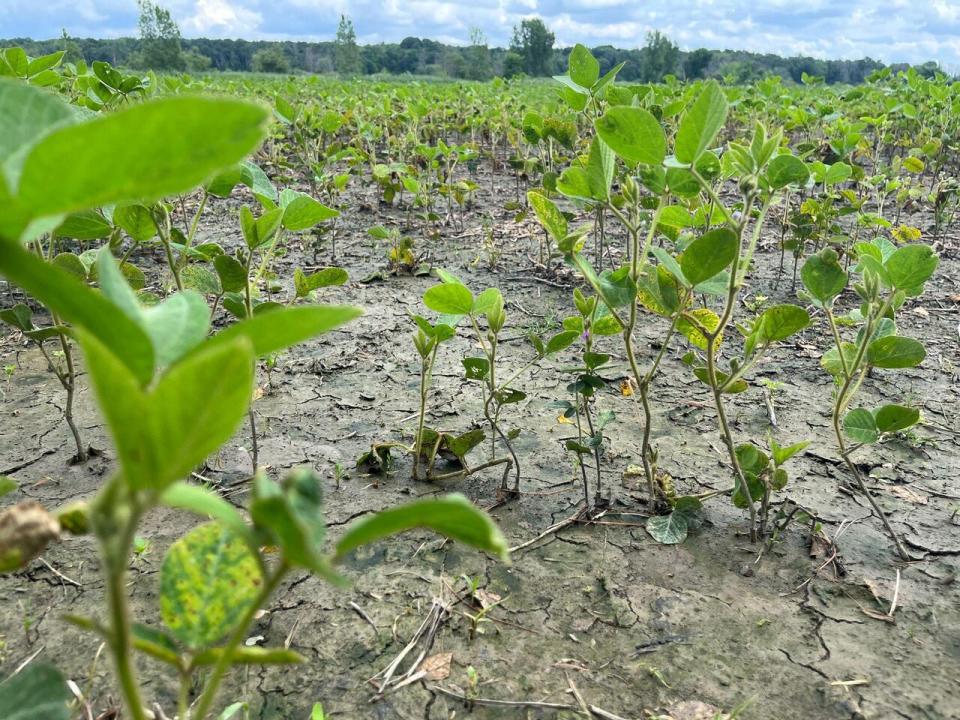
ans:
x=633 y=626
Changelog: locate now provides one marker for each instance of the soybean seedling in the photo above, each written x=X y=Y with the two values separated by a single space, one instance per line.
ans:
x=888 y=276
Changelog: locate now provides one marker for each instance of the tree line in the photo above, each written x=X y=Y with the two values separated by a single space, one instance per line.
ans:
x=531 y=52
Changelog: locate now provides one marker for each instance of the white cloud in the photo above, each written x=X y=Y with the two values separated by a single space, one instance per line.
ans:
x=222 y=18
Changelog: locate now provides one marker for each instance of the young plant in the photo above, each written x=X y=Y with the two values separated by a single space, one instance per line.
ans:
x=888 y=277
x=452 y=298
x=171 y=395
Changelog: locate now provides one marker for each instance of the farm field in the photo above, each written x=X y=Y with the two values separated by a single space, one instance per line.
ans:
x=688 y=351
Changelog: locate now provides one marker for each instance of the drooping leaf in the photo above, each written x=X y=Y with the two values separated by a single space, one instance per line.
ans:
x=894 y=418
x=823 y=277
x=549 y=215
x=453 y=516
x=668 y=529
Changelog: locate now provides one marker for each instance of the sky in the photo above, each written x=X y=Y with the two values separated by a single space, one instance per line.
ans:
x=888 y=30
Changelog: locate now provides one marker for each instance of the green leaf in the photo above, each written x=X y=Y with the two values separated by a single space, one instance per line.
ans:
x=302 y=212
x=584 y=69
x=823 y=277
x=38 y=692
x=198 y=405
x=463 y=444
x=155 y=149
x=779 y=322
x=837 y=173
x=895 y=352
x=786 y=170
x=708 y=255
x=72 y=264
x=19 y=316
x=291 y=515
x=700 y=123
x=911 y=266
x=305 y=284
x=549 y=215
x=709 y=320
x=232 y=274
x=26 y=114
x=831 y=359
x=476 y=368
x=259 y=231
x=560 y=341
x=74 y=302
x=752 y=459
x=201 y=279
x=737 y=386
x=84 y=225
x=280 y=328
x=194 y=408
x=208 y=581
x=195 y=499
x=782 y=454
x=453 y=516
x=177 y=325
x=634 y=134
x=668 y=529
x=136 y=221
x=449 y=298
x=894 y=418
x=115 y=286
x=860 y=426
x=490 y=300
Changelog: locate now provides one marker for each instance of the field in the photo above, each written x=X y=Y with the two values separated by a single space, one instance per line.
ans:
x=692 y=347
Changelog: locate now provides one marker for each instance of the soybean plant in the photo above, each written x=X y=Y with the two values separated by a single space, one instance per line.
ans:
x=170 y=395
x=888 y=277
x=588 y=324
x=452 y=298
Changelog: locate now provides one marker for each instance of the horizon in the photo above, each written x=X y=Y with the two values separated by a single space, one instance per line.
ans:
x=860 y=29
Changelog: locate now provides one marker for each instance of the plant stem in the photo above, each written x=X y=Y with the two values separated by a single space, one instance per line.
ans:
x=212 y=685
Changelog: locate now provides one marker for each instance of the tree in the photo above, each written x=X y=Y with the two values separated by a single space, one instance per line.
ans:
x=478 y=57
x=346 y=52
x=270 y=60
x=71 y=50
x=659 y=57
x=160 y=38
x=512 y=64
x=534 y=43
x=696 y=63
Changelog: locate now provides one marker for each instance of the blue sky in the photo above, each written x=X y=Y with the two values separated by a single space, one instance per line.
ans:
x=889 y=30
